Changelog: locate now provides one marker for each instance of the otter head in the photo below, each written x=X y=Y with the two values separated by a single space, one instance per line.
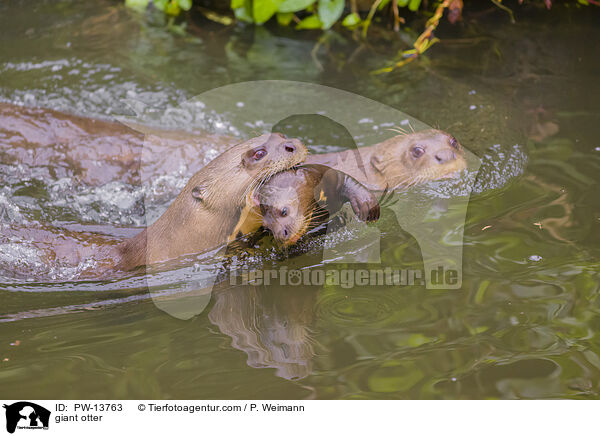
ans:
x=230 y=177
x=414 y=158
x=285 y=207
x=271 y=153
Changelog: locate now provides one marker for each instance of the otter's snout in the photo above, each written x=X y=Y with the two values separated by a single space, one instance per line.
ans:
x=443 y=156
x=286 y=236
x=282 y=234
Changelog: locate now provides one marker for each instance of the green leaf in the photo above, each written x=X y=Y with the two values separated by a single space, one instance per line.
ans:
x=311 y=22
x=383 y=4
x=172 y=8
x=242 y=14
x=295 y=5
x=351 y=20
x=185 y=4
x=237 y=4
x=262 y=10
x=161 y=5
x=284 y=18
x=330 y=11
x=137 y=4
x=402 y=3
x=414 y=5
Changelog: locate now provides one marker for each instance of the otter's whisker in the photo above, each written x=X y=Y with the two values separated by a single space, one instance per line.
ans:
x=399 y=129
x=258 y=182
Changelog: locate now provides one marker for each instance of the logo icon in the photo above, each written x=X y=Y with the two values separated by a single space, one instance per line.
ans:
x=26 y=415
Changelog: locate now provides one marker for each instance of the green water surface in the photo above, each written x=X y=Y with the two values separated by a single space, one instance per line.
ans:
x=524 y=323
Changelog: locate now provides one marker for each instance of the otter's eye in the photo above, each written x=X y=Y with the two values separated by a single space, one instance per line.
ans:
x=453 y=142
x=198 y=193
x=284 y=211
x=417 y=151
x=259 y=154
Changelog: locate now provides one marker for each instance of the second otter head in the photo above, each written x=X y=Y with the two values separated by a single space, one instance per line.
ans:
x=407 y=160
x=286 y=207
x=294 y=201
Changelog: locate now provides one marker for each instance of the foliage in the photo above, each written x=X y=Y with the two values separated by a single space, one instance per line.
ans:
x=169 y=7
x=355 y=15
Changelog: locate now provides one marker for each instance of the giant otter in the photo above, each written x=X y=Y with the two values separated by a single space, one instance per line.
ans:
x=295 y=200
x=210 y=208
x=401 y=161
x=397 y=162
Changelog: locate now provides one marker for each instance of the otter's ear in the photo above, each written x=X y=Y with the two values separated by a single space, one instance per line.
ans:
x=377 y=163
x=198 y=193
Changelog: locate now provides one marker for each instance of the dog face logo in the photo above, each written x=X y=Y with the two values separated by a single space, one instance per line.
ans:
x=26 y=415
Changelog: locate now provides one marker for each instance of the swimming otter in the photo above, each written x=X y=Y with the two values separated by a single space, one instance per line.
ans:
x=98 y=152
x=401 y=161
x=210 y=208
x=294 y=200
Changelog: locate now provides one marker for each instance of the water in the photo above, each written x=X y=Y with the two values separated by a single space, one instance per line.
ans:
x=522 y=96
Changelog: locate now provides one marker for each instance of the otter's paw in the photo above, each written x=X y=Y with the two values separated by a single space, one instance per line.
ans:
x=366 y=209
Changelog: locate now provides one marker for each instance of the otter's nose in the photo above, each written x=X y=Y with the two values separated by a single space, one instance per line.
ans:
x=289 y=147
x=443 y=156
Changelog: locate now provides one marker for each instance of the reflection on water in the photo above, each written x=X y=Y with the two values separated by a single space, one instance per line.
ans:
x=523 y=325
x=272 y=327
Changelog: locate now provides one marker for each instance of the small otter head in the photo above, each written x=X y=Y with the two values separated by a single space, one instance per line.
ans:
x=414 y=158
x=285 y=207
